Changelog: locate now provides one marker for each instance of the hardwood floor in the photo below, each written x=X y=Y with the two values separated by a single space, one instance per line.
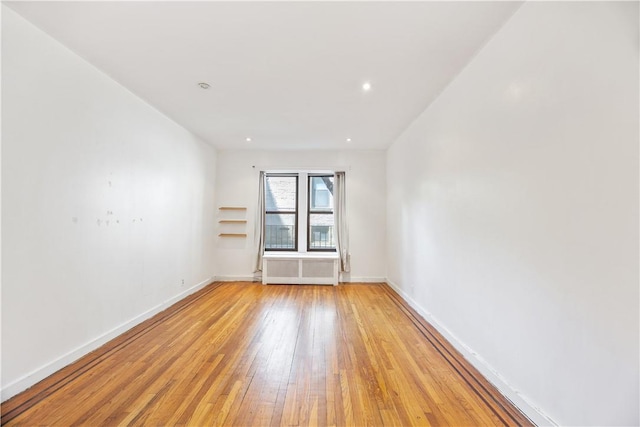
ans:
x=249 y=355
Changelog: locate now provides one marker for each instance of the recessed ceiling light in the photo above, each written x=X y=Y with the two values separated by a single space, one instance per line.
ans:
x=366 y=86
x=204 y=85
x=348 y=139
x=248 y=139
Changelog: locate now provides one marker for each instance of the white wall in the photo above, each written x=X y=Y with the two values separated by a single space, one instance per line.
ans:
x=237 y=185
x=107 y=207
x=513 y=211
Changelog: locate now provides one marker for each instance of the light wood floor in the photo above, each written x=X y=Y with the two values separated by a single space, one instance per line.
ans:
x=246 y=354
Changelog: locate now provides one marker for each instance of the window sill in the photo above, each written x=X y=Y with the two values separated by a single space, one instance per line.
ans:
x=300 y=255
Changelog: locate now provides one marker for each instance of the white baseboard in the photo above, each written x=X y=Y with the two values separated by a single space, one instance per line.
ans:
x=530 y=410
x=238 y=278
x=259 y=279
x=43 y=372
x=363 y=279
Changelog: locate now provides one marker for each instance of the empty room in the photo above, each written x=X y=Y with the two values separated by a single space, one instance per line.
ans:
x=320 y=213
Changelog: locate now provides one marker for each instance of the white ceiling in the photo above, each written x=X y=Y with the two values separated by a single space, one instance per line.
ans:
x=286 y=74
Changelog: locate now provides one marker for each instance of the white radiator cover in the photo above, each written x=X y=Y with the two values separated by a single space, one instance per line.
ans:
x=300 y=268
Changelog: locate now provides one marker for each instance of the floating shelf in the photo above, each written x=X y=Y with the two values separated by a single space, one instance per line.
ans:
x=228 y=221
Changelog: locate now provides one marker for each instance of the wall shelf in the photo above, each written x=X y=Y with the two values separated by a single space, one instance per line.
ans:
x=233 y=221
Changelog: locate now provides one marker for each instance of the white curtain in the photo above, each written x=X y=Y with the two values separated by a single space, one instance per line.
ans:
x=259 y=228
x=340 y=217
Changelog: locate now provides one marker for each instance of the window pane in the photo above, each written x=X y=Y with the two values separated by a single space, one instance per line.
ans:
x=280 y=193
x=321 y=231
x=280 y=231
x=321 y=193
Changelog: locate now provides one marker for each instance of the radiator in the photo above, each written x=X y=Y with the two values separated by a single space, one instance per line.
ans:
x=300 y=268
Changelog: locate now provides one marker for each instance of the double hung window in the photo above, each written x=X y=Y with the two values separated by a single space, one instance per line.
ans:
x=281 y=213
x=299 y=212
x=320 y=235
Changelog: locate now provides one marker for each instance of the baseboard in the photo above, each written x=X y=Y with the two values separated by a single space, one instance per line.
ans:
x=521 y=402
x=258 y=278
x=43 y=372
x=360 y=279
x=238 y=278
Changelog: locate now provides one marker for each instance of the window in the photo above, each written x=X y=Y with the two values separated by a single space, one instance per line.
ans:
x=298 y=212
x=281 y=213
x=320 y=214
